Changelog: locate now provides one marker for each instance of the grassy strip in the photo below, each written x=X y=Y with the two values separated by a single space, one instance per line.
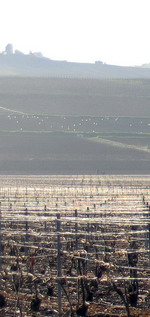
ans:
x=82 y=133
x=38 y=132
x=120 y=144
x=18 y=113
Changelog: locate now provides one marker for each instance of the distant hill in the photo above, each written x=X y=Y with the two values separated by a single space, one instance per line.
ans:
x=146 y=65
x=31 y=66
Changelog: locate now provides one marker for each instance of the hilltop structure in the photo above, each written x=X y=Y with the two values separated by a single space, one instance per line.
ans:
x=34 y=64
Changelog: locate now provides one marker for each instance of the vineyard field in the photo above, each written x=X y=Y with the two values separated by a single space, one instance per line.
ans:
x=75 y=246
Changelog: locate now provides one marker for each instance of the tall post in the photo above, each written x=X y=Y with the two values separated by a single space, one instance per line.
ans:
x=59 y=274
x=76 y=246
x=26 y=231
x=45 y=209
x=149 y=232
x=76 y=229
x=88 y=225
x=146 y=227
x=0 y=238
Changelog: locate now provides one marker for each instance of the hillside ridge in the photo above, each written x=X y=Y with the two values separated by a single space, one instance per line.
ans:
x=21 y=65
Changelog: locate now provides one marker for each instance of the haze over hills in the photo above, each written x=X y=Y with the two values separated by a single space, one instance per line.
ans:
x=35 y=65
x=58 y=117
x=74 y=126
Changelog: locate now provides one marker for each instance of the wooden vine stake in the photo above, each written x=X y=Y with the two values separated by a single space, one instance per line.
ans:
x=26 y=231
x=0 y=239
x=59 y=273
x=76 y=229
x=149 y=232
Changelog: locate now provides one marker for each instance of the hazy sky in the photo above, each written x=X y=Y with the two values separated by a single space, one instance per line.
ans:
x=114 y=31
